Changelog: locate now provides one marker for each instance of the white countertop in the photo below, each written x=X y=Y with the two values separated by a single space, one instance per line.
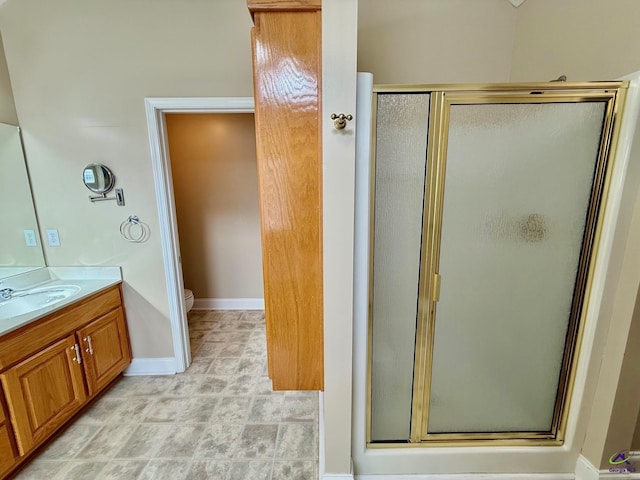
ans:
x=90 y=280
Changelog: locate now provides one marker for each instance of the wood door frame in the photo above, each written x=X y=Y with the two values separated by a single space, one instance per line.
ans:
x=156 y=108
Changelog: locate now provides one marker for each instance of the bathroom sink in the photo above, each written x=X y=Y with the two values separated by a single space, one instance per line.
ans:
x=33 y=299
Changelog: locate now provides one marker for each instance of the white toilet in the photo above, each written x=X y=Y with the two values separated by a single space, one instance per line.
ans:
x=188 y=299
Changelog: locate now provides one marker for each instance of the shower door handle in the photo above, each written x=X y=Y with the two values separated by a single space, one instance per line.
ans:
x=435 y=294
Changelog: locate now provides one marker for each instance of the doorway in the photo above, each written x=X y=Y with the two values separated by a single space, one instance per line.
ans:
x=156 y=110
x=214 y=173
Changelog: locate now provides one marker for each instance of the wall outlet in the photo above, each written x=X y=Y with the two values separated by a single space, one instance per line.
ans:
x=53 y=238
x=30 y=238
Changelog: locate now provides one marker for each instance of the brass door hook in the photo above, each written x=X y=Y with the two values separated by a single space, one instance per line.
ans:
x=340 y=120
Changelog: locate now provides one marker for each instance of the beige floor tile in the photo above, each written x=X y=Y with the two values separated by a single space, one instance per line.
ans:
x=166 y=469
x=224 y=365
x=296 y=440
x=181 y=441
x=210 y=470
x=122 y=469
x=220 y=420
x=133 y=410
x=250 y=469
x=242 y=385
x=266 y=409
x=181 y=409
x=41 y=468
x=231 y=410
x=293 y=470
x=145 y=441
x=107 y=441
x=83 y=470
x=219 y=441
x=299 y=408
x=257 y=441
x=69 y=444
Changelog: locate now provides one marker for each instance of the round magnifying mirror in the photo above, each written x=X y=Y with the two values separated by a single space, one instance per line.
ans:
x=98 y=178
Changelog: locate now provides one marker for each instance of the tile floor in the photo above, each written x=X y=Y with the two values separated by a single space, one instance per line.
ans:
x=220 y=420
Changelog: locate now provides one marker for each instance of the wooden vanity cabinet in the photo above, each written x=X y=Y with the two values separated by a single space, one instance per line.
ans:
x=50 y=369
x=7 y=449
x=44 y=391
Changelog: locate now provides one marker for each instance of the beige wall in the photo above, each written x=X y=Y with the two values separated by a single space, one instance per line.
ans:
x=616 y=400
x=584 y=39
x=7 y=105
x=80 y=72
x=624 y=415
x=457 y=41
x=215 y=181
x=635 y=442
x=436 y=41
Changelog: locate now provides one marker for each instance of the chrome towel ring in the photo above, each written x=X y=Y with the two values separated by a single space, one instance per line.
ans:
x=133 y=230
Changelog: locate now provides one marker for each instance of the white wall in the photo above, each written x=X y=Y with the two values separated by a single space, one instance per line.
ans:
x=80 y=72
x=339 y=30
x=436 y=41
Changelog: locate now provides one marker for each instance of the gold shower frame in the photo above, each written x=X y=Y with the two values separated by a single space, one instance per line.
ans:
x=442 y=97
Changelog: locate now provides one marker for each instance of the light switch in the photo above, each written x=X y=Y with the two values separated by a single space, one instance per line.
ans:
x=30 y=238
x=53 y=238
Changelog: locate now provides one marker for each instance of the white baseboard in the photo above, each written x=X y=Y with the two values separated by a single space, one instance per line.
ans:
x=472 y=476
x=151 y=366
x=321 y=456
x=321 y=451
x=585 y=470
x=606 y=474
x=228 y=304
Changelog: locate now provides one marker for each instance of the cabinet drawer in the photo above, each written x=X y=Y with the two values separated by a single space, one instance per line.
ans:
x=7 y=455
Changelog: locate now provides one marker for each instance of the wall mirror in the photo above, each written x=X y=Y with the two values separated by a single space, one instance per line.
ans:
x=20 y=246
x=98 y=178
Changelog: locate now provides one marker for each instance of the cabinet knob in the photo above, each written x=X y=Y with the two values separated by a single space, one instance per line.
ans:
x=340 y=120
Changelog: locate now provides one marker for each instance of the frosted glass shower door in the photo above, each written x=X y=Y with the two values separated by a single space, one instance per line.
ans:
x=400 y=163
x=521 y=192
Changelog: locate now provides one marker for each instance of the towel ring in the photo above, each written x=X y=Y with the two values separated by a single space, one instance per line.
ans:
x=129 y=230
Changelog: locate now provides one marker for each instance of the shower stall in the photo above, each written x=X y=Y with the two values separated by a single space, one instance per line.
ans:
x=486 y=207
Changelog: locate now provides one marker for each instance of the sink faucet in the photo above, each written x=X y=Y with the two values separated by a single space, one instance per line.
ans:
x=6 y=293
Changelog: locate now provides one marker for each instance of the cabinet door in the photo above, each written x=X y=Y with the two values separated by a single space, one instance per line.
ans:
x=105 y=349
x=43 y=392
x=7 y=452
x=7 y=455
